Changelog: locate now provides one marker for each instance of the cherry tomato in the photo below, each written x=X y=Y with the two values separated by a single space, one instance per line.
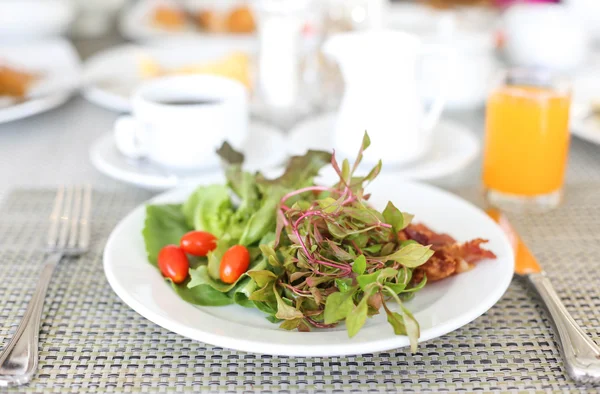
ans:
x=198 y=243
x=234 y=263
x=173 y=263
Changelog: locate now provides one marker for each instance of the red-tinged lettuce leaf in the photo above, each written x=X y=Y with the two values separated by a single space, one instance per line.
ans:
x=262 y=277
x=230 y=156
x=411 y=255
x=397 y=322
x=300 y=170
x=164 y=225
x=338 y=305
x=285 y=311
x=291 y=324
x=366 y=142
x=394 y=217
x=357 y=317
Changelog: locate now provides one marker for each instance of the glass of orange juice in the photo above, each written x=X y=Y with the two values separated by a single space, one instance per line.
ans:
x=526 y=141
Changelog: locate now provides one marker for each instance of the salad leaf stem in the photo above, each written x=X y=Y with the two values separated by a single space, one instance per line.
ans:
x=294 y=289
x=304 y=190
x=319 y=324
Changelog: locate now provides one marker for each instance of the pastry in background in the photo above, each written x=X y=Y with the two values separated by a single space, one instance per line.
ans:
x=13 y=82
x=445 y=4
x=238 y=20
x=235 y=66
x=210 y=21
x=168 y=18
x=241 y=20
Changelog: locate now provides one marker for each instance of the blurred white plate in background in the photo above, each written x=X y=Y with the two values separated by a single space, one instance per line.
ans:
x=454 y=147
x=264 y=149
x=135 y=22
x=58 y=66
x=111 y=76
x=586 y=91
x=21 y=19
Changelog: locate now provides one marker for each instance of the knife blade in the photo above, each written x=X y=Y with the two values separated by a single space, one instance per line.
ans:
x=581 y=355
x=525 y=262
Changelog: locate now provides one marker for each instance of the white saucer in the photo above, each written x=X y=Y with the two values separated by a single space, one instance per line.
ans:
x=586 y=89
x=454 y=147
x=264 y=149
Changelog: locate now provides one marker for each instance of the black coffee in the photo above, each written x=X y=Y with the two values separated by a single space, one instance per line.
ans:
x=190 y=102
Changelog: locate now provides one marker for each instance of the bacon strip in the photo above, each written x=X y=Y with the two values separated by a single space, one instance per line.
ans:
x=450 y=257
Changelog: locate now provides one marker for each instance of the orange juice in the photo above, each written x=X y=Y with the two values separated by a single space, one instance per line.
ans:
x=527 y=140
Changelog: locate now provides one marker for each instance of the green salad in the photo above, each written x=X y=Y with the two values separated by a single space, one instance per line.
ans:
x=308 y=256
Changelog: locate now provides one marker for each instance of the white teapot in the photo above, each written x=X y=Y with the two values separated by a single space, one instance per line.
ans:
x=379 y=68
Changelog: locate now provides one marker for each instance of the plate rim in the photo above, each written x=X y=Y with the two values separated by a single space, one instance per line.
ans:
x=386 y=343
x=40 y=105
x=578 y=129
x=580 y=103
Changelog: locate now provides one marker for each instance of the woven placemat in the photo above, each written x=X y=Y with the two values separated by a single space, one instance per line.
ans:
x=92 y=342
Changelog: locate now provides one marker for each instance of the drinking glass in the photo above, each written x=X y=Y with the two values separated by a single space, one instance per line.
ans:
x=527 y=140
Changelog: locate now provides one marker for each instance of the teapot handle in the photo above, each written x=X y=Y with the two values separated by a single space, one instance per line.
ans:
x=437 y=107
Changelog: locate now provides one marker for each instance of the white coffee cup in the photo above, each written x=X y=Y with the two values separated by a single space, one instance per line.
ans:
x=180 y=121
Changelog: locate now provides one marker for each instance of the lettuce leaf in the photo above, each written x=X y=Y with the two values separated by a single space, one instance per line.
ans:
x=201 y=295
x=250 y=221
x=164 y=225
x=210 y=209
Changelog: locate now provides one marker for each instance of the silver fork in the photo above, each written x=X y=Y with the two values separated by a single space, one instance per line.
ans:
x=68 y=235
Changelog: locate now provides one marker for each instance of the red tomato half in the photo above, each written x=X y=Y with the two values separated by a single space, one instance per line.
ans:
x=234 y=263
x=198 y=243
x=173 y=263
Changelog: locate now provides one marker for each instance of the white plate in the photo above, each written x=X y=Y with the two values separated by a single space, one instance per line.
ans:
x=59 y=66
x=35 y=18
x=440 y=307
x=135 y=22
x=265 y=148
x=586 y=89
x=454 y=147
x=112 y=75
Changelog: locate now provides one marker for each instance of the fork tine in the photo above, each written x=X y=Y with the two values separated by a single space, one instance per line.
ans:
x=54 y=218
x=84 y=222
x=64 y=219
x=74 y=219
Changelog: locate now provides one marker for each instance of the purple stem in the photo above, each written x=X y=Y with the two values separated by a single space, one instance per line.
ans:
x=295 y=290
x=310 y=257
x=319 y=325
x=307 y=214
x=350 y=199
x=304 y=190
